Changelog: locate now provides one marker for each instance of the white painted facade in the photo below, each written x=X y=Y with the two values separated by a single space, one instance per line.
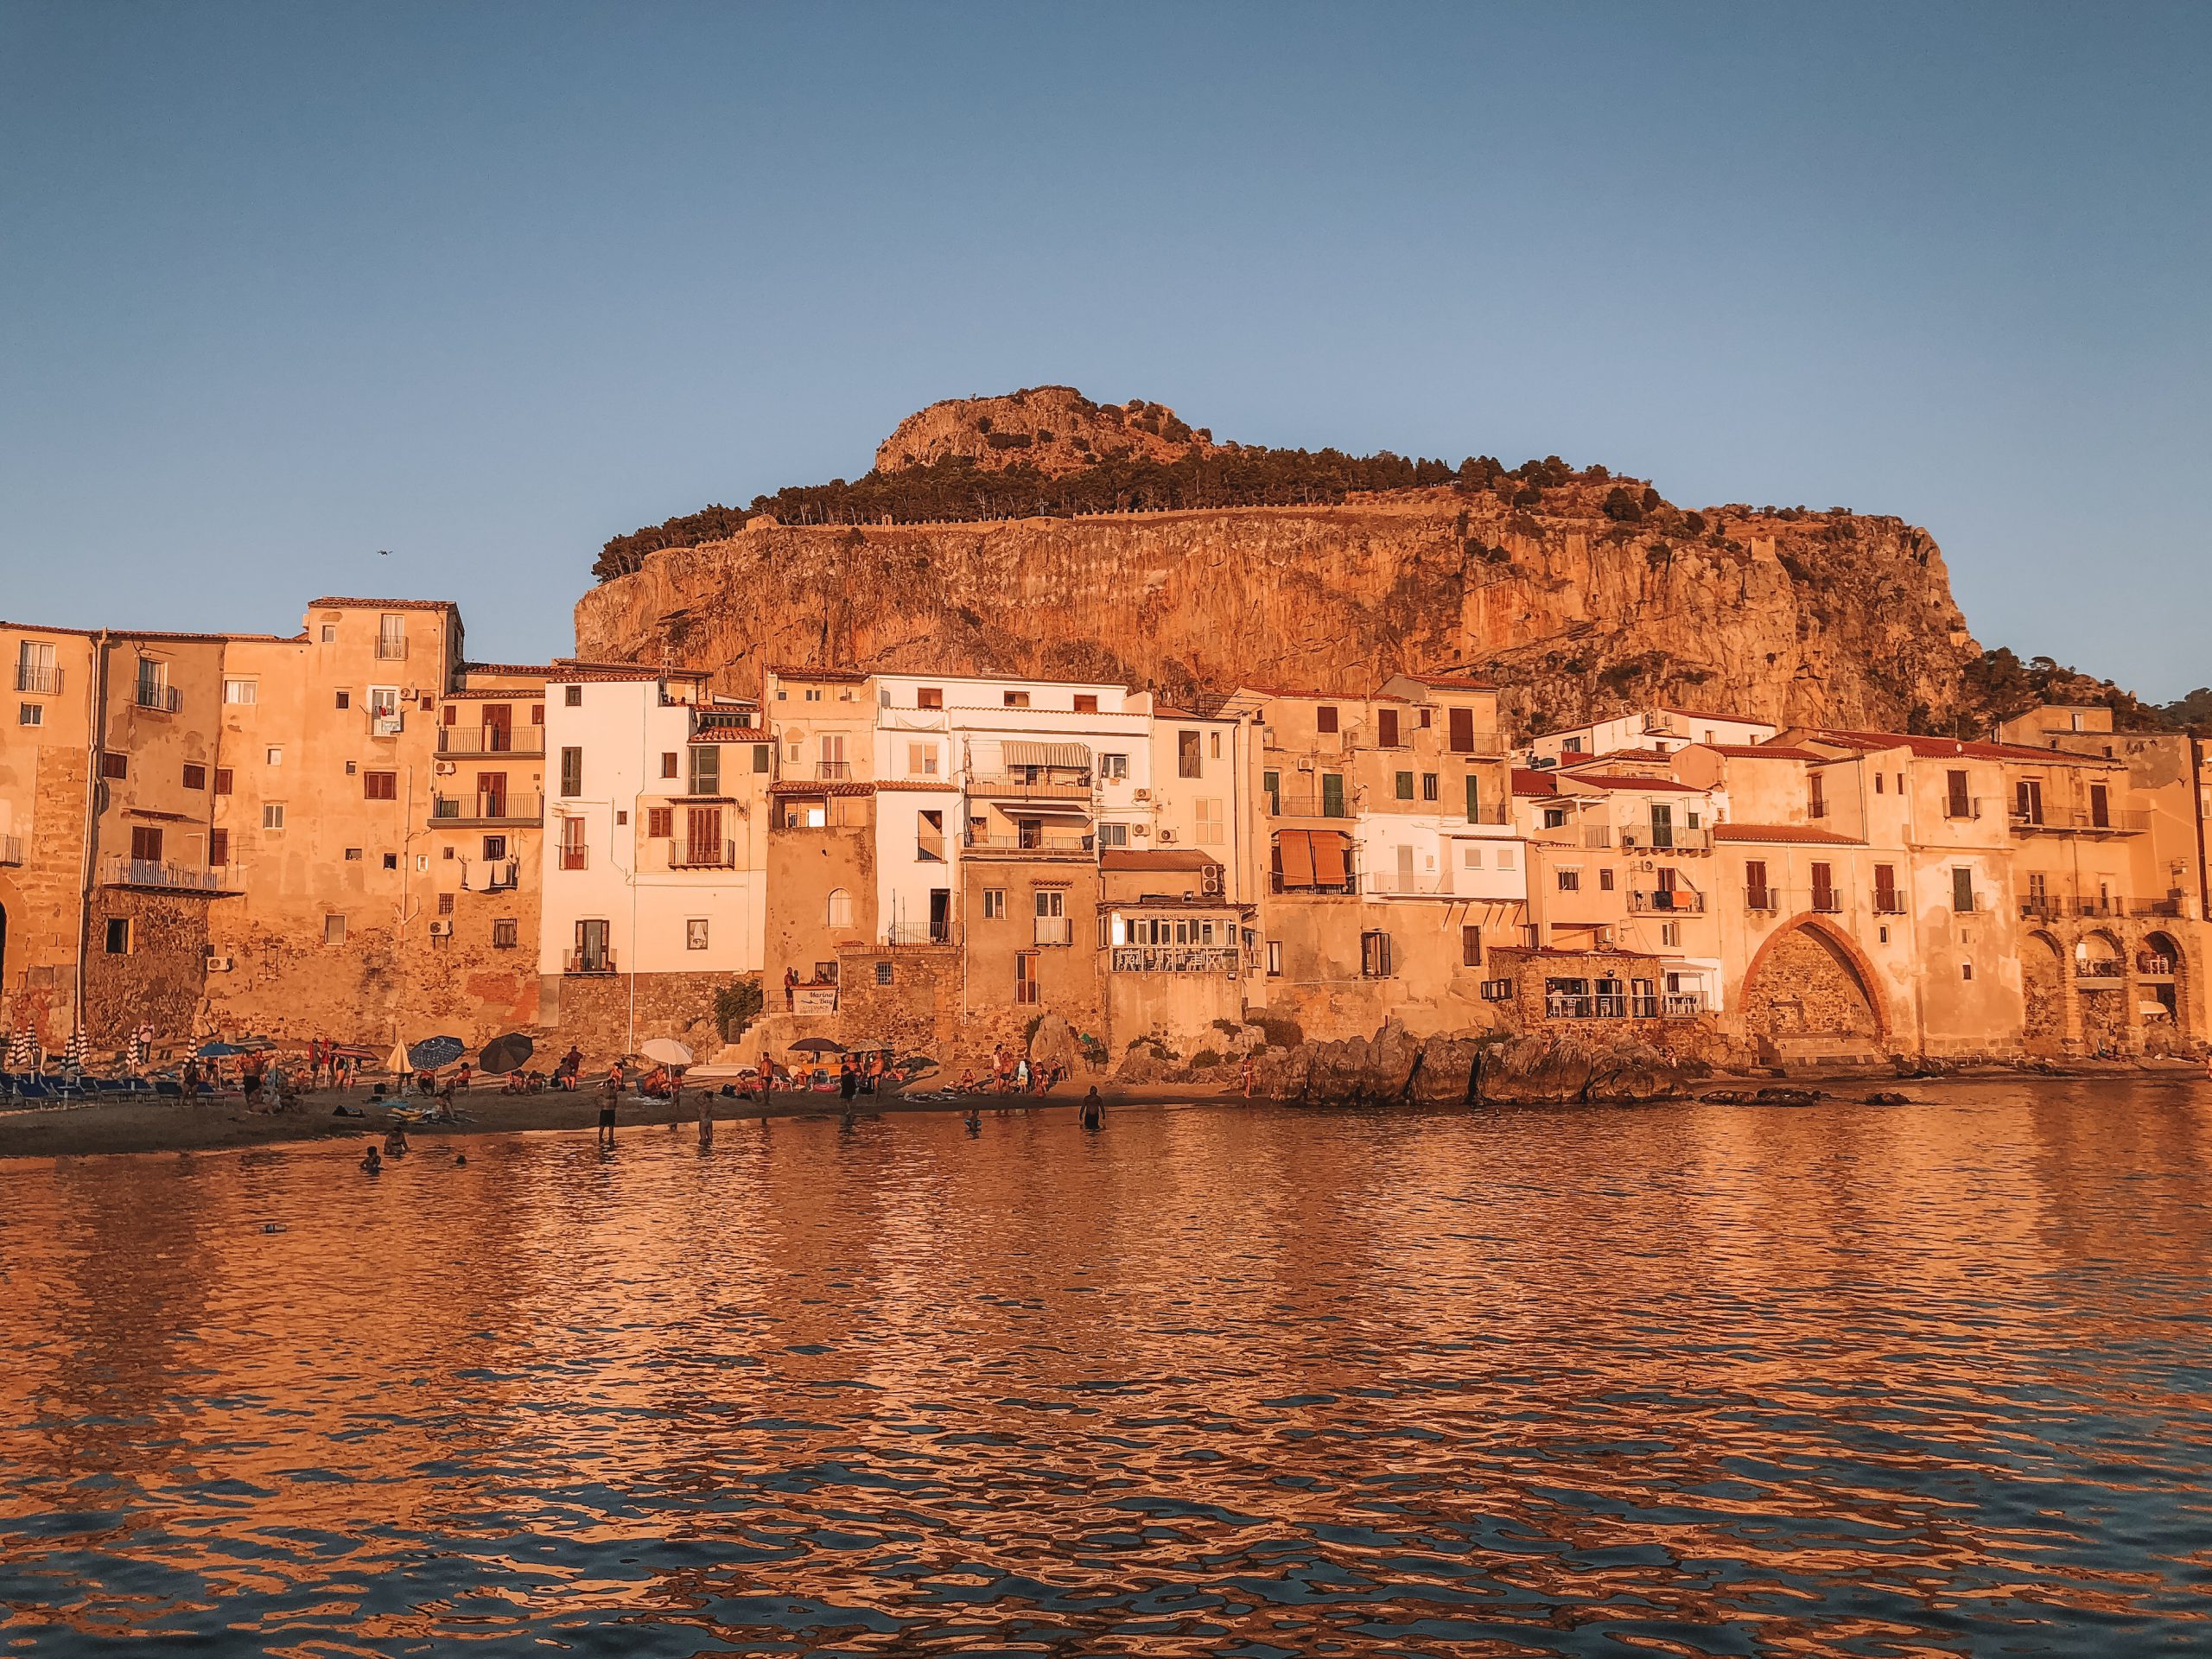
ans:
x=617 y=898
x=1665 y=729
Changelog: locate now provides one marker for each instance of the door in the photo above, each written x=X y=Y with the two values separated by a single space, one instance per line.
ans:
x=2027 y=801
x=1332 y=794
x=491 y=794
x=591 y=947
x=940 y=915
x=1824 y=886
x=1662 y=825
x=1025 y=976
x=2099 y=807
x=703 y=836
x=1463 y=731
x=1664 y=898
x=499 y=728
x=833 y=756
x=1405 y=869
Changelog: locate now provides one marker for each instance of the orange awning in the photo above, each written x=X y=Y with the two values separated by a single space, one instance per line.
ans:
x=1297 y=847
x=1328 y=857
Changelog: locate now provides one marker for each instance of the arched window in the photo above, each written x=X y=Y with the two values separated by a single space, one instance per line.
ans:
x=840 y=908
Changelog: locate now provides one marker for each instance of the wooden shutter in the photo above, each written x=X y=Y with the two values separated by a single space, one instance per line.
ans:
x=1463 y=731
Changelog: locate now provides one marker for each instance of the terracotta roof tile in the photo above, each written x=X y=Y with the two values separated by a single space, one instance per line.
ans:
x=1602 y=780
x=1177 y=859
x=329 y=603
x=1807 y=832
x=1529 y=782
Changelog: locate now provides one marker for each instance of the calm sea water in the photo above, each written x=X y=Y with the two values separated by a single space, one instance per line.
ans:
x=1683 y=1380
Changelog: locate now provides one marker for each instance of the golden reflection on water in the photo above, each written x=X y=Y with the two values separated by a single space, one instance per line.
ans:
x=1676 y=1380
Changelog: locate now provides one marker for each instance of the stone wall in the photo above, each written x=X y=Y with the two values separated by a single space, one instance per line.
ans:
x=593 y=1012
x=157 y=980
x=1804 y=986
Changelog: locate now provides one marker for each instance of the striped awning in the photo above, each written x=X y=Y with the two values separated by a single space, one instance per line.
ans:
x=1016 y=752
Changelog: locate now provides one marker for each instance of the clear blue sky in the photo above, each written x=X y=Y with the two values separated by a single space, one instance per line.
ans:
x=283 y=285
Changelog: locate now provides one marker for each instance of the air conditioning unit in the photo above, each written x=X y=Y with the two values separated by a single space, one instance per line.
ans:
x=408 y=695
x=441 y=930
x=1209 y=881
x=1167 y=834
x=1305 y=766
x=221 y=965
x=1141 y=795
x=1139 y=829
x=446 y=768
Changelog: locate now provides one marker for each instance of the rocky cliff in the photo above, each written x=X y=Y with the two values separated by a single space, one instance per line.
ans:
x=1587 y=595
x=1054 y=429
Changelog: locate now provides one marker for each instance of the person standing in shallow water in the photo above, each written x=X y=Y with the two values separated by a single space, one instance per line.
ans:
x=1094 y=1110
x=608 y=1092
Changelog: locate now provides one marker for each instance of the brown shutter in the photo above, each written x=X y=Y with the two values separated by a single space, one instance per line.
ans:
x=1463 y=731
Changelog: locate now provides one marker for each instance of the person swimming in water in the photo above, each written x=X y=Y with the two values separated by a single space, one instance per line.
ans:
x=371 y=1163
x=1094 y=1110
x=395 y=1142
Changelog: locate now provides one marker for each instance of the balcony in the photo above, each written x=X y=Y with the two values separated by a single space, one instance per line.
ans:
x=2125 y=822
x=1307 y=803
x=573 y=856
x=1827 y=901
x=1679 y=1005
x=589 y=962
x=1036 y=844
x=1484 y=743
x=391 y=650
x=484 y=807
x=832 y=771
x=727 y=726
x=1640 y=838
x=1888 y=902
x=472 y=740
x=158 y=699
x=389 y=724
x=1016 y=788
x=1055 y=929
x=156 y=875
x=687 y=855
x=43 y=678
x=1667 y=902
x=1962 y=808
x=501 y=875
x=1768 y=899
x=2101 y=907
x=1176 y=959
x=2099 y=973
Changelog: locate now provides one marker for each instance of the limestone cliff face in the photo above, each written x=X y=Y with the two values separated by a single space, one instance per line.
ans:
x=1054 y=429
x=1793 y=617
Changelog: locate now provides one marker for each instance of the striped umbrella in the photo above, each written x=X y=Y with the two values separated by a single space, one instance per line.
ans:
x=19 y=1050
x=72 y=1058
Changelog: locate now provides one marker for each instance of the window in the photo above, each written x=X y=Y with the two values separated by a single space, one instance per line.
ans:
x=1274 y=958
x=1554 y=818
x=1208 y=829
x=1086 y=703
x=668 y=763
x=118 y=936
x=838 y=911
x=1670 y=933
x=1332 y=794
x=1962 y=890
x=392 y=860
x=495 y=848
x=813 y=694
x=1188 y=763
x=1824 y=897
x=930 y=696
x=660 y=822
x=1820 y=800
x=445 y=904
x=921 y=760
x=760 y=757
x=1505 y=858
x=1113 y=835
x=273 y=756
x=2099 y=807
x=1570 y=746
x=883 y=973
x=250 y=691
x=272 y=815
x=1958 y=803
x=1757 y=893
x=114 y=765
x=1471 y=856
x=993 y=903
x=379 y=785
x=30 y=714
x=333 y=930
x=504 y=933
x=1877 y=783
x=146 y=844
x=1428 y=785
x=329 y=634
x=694 y=933
x=1885 y=889
x=1213 y=746
x=1470 y=946
x=706 y=769
x=1017 y=699
x=929 y=837
x=1375 y=955
x=391 y=639
x=1605 y=881
x=1462 y=738
x=219 y=848
x=1051 y=902
x=195 y=776
x=1570 y=880
x=1114 y=767
x=353 y=855
x=154 y=684
x=222 y=780
x=1025 y=976
x=572 y=696
x=1402 y=786
x=537 y=714
x=1474 y=799
x=1386 y=727
x=572 y=771
x=572 y=843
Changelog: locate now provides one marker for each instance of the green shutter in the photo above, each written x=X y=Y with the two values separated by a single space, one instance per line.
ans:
x=1474 y=798
x=1332 y=795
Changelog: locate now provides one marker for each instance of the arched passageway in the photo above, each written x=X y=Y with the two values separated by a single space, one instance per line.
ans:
x=1806 y=982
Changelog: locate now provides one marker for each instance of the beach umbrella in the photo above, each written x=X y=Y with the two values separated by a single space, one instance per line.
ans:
x=434 y=1051
x=219 y=1049
x=667 y=1052
x=356 y=1051
x=19 y=1050
x=504 y=1054
x=396 y=1062
x=817 y=1046
x=73 y=1057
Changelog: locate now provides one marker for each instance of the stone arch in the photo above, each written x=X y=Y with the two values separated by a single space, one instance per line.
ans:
x=2163 y=977
x=1810 y=978
x=2043 y=969
x=2103 y=998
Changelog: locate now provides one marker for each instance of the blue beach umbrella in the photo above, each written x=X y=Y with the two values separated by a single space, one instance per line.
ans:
x=434 y=1051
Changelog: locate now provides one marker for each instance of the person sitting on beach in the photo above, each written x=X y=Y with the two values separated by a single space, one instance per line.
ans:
x=517 y=1084
x=967 y=1081
x=192 y=1079
x=461 y=1074
x=570 y=1069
